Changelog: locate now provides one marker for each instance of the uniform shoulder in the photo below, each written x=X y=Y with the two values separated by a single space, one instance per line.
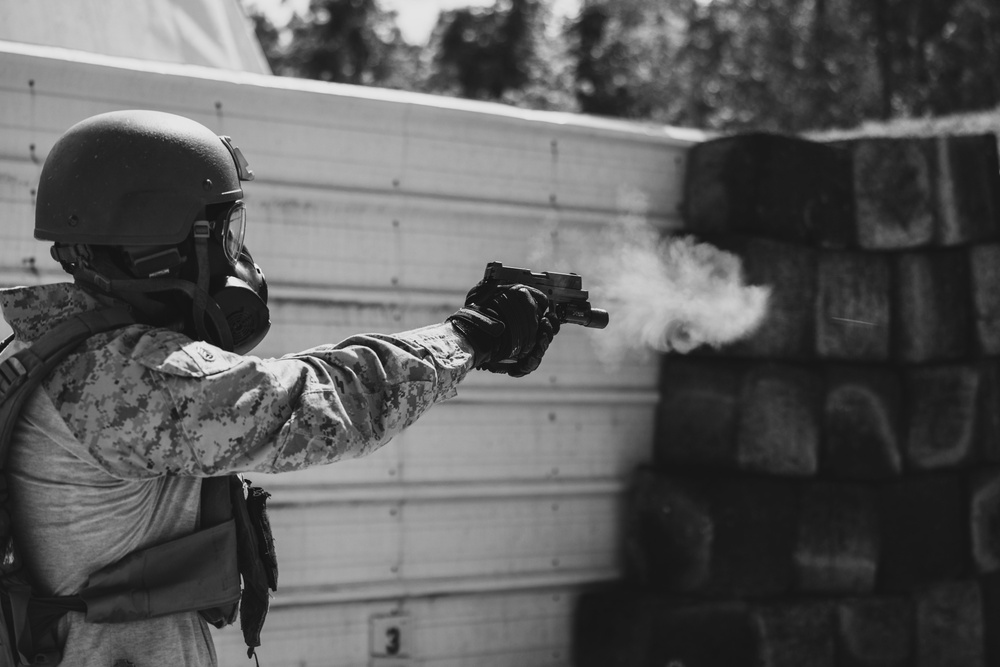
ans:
x=174 y=353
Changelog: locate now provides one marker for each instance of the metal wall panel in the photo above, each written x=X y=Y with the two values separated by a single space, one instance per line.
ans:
x=376 y=210
x=490 y=629
x=429 y=535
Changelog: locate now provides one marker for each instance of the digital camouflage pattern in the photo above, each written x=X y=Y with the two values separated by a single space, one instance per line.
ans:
x=108 y=455
x=146 y=402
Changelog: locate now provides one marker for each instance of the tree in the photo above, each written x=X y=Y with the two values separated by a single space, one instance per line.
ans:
x=942 y=56
x=782 y=65
x=785 y=65
x=346 y=41
x=268 y=37
x=482 y=53
x=966 y=74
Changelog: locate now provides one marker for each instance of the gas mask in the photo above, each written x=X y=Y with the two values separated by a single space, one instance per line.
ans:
x=242 y=298
x=239 y=289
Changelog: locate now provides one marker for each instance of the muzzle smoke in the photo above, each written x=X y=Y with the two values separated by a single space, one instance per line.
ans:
x=675 y=294
x=664 y=293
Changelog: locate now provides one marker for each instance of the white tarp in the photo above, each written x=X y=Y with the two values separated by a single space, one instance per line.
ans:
x=212 y=33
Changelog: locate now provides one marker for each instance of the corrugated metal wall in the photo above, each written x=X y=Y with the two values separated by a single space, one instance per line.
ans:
x=375 y=211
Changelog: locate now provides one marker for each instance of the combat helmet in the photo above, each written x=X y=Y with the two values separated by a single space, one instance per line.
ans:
x=134 y=178
x=144 y=183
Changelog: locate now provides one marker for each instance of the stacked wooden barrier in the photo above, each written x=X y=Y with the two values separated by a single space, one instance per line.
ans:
x=826 y=493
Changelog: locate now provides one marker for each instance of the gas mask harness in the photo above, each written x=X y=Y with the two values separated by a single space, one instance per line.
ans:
x=228 y=309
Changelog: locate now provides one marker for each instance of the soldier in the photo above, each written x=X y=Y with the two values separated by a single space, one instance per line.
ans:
x=114 y=452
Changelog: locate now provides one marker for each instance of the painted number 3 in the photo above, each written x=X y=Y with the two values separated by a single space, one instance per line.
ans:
x=392 y=637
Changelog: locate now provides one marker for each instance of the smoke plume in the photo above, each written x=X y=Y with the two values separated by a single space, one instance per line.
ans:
x=675 y=294
x=664 y=293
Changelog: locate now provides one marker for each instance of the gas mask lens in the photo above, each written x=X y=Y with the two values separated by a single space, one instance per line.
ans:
x=234 y=229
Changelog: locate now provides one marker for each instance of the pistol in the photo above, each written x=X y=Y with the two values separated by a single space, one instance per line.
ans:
x=566 y=297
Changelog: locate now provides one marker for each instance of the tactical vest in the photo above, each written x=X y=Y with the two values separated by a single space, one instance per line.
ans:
x=197 y=572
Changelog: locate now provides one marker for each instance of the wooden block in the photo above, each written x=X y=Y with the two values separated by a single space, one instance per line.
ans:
x=988 y=409
x=837 y=547
x=861 y=423
x=715 y=634
x=949 y=626
x=984 y=270
x=626 y=628
x=713 y=536
x=795 y=634
x=853 y=306
x=968 y=188
x=612 y=627
x=770 y=185
x=778 y=430
x=696 y=418
x=875 y=631
x=669 y=535
x=923 y=531
x=932 y=309
x=788 y=329
x=985 y=519
x=912 y=192
x=893 y=192
x=942 y=416
x=755 y=417
x=754 y=520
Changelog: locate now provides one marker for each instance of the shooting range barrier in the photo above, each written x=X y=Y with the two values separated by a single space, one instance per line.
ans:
x=826 y=493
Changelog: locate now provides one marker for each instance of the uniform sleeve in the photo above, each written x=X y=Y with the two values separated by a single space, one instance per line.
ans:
x=181 y=407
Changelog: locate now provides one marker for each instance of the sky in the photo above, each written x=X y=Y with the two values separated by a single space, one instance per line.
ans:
x=416 y=18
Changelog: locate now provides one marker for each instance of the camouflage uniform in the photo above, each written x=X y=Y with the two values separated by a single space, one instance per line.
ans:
x=108 y=455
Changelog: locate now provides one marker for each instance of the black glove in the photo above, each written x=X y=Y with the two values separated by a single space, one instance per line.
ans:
x=548 y=327
x=506 y=327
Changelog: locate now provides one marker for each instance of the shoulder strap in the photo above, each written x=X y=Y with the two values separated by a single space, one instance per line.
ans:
x=24 y=370
x=20 y=374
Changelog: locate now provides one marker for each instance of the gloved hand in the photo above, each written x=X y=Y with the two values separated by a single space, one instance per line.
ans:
x=507 y=327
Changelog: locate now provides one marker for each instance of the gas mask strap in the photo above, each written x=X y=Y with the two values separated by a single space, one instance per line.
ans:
x=128 y=289
x=201 y=301
x=90 y=276
x=212 y=310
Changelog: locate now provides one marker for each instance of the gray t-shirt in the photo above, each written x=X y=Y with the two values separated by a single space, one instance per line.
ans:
x=74 y=518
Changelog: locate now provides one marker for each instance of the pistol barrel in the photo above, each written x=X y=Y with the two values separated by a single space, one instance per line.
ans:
x=594 y=318
x=598 y=319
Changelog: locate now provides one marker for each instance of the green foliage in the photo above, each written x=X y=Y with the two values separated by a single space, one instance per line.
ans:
x=784 y=65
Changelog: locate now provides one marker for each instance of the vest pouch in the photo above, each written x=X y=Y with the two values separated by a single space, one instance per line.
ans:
x=216 y=507
x=191 y=573
x=258 y=564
